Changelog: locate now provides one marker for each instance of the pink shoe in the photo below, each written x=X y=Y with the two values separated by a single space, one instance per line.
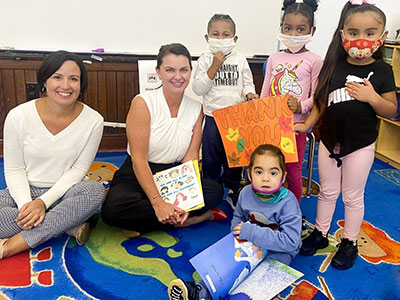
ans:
x=2 y=242
x=218 y=214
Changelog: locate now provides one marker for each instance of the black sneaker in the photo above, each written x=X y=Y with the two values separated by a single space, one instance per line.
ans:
x=346 y=255
x=313 y=242
x=183 y=290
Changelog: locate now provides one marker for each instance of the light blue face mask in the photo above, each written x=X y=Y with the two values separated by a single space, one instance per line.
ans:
x=272 y=196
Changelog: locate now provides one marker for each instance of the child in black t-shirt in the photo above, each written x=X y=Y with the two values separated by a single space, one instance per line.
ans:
x=354 y=85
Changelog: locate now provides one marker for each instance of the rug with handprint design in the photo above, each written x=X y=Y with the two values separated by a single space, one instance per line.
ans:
x=111 y=266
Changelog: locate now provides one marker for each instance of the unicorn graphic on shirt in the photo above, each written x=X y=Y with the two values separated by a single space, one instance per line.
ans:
x=285 y=81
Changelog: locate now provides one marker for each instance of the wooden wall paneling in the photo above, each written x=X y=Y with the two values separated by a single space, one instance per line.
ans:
x=111 y=96
x=20 y=64
x=115 y=138
x=136 y=83
x=128 y=67
x=112 y=101
x=10 y=99
x=121 y=97
x=95 y=66
x=258 y=77
x=2 y=110
x=92 y=91
x=122 y=100
x=30 y=75
x=131 y=89
x=102 y=94
x=20 y=90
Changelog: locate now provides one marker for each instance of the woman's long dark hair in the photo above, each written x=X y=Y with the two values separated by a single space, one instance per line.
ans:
x=336 y=52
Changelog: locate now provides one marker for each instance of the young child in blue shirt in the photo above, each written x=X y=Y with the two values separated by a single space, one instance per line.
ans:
x=267 y=214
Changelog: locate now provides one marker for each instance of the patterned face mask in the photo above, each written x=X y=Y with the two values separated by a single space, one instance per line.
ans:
x=361 y=48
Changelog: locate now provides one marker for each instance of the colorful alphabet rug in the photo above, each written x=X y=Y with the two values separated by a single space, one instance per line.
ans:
x=111 y=266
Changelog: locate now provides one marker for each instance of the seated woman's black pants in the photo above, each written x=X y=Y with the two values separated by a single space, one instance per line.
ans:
x=127 y=206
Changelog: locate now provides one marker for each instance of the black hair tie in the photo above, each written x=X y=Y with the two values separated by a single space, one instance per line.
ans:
x=287 y=3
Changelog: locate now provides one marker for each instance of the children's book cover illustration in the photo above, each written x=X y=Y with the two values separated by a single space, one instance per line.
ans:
x=232 y=266
x=181 y=186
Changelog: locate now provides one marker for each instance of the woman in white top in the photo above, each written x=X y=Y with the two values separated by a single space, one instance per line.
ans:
x=49 y=144
x=163 y=130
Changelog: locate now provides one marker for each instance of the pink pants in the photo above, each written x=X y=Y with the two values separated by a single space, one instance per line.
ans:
x=350 y=179
x=293 y=177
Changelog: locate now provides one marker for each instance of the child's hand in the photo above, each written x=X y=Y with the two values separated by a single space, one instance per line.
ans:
x=217 y=63
x=218 y=60
x=236 y=230
x=361 y=92
x=252 y=96
x=294 y=104
x=300 y=127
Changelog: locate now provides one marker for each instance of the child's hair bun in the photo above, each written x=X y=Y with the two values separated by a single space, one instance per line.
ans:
x=287 y=3
x=312 y=3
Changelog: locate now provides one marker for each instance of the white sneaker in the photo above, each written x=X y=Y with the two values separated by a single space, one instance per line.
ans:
x=231 y=198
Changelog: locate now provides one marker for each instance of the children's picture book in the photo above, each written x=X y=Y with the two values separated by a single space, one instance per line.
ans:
x=245 y=126
x=238 y=267
x=181 y=186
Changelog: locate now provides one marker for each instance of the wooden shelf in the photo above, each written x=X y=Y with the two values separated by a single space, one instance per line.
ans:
x=394 y=52
x=395 y=123
x=388 y=158
x=392 y=46
x=396 y=65
x=388 y=142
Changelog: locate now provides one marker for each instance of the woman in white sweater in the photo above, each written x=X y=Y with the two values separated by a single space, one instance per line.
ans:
x=49 y=144
x=164 y=130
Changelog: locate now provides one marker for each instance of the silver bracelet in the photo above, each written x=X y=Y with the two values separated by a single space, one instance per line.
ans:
x=156 y=196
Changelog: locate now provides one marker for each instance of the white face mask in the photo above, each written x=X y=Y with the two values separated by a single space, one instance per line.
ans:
x=224 y=45
x=294 y=42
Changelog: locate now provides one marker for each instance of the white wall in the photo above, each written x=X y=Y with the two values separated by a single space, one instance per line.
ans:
x=133 y=26
x=327 y=19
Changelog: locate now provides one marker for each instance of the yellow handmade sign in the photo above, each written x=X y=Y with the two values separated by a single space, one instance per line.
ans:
x=245 y=126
